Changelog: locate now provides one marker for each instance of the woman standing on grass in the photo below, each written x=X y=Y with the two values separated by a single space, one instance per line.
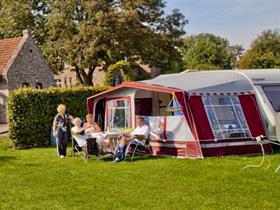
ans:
x=60 y=123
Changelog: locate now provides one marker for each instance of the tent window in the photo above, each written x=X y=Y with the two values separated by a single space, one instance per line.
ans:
x=119 y=114
x=272 y=92
x=226 y=117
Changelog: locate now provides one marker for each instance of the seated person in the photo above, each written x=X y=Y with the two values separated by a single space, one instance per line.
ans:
x=141 y=131
x=78 y=133
x=92 y=126
x=94 y=131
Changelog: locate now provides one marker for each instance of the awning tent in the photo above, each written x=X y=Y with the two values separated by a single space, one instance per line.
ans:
x=219 y=112
x=204 y=82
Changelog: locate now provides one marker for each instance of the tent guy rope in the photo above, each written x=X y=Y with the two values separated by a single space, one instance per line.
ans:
x=261 y=140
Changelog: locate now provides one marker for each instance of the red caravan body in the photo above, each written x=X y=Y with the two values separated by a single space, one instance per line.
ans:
x=201 y=141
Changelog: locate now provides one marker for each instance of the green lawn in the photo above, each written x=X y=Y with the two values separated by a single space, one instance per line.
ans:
x=37 y=179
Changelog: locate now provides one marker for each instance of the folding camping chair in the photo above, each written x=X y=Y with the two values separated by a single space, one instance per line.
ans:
x=142 y=142
x=136 y=142
x=81 y=150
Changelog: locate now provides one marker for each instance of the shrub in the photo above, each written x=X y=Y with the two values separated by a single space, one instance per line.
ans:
x=31 y=112
x=122 y=69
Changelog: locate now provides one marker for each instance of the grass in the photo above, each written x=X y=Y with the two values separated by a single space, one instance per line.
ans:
x=37 y=179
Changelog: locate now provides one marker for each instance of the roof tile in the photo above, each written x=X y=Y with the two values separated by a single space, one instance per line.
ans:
x=7 y=49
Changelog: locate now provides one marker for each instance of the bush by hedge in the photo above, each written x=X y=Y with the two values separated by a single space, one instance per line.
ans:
x=121 y=68
x=31 y=112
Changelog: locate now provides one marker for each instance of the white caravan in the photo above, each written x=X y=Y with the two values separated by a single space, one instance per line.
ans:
x=266 y=83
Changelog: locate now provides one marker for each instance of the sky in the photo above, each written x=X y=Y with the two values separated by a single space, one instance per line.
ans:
x=240 y=21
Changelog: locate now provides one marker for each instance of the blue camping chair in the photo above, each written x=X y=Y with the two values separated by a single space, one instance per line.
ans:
x=135 y=144
x=140 y=142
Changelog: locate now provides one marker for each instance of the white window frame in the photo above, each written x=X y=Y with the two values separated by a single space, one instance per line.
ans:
x=126 y=108
x=268 y=96
x=245 y=131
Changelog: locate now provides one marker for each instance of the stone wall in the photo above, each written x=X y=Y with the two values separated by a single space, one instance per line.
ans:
x=66 y=78
x=29 y=67
x=3 y=100
x=98 y=77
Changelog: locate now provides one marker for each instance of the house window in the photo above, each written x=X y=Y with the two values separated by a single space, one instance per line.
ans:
x=39 y=85
x=272 y=92
x=226 y=117
x=118 y=114
x=25 y=84
x=70 y=81
x=58 y=82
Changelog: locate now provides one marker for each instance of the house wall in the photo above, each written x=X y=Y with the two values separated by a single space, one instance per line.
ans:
x=29 y=67
x=98 y=77
x=68 y=77
x=4 y=92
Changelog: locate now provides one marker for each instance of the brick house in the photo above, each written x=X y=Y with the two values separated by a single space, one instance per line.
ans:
x=68 y=77
x=21 y=64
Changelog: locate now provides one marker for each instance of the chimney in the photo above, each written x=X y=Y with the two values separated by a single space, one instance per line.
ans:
x=27 y=33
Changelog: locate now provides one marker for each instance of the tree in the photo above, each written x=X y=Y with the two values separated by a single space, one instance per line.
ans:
x=14 y=17
x=264 y=51
x=92 y=35
x=17 y=15
x=208 y=52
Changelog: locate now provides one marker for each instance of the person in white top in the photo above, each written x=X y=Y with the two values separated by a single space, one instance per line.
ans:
x=79 y=133
x=93 y=131
x=141 y=131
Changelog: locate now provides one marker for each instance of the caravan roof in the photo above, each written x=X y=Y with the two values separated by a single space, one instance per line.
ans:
x=226 y=81
x=262 y=76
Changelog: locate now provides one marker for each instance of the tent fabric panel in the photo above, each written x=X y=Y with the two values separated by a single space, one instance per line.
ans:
x=136 y=85
x=166 y=151
x=205 y=82
x=236 y=150
x=90 y=103
x=252 y=114
x=191 y=119
x=121 y=93
x=181 y=96
x=229 y=140
x=177 y=128
x=204 y=129
x=169 y=128
x=193 y=149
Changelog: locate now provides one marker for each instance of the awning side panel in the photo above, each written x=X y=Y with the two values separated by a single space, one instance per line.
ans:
x=252 y=114
x=201 y=120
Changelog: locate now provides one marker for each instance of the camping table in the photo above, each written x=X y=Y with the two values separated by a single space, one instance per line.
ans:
x=113 y=138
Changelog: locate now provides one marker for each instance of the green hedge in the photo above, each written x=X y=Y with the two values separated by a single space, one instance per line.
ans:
x=31 y=112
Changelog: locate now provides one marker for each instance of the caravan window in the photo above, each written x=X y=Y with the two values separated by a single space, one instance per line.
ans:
x=272 y=92
x=226 y=117
x=119 y=114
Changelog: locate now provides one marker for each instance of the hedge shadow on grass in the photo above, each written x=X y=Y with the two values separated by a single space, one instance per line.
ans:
x=7 y=158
